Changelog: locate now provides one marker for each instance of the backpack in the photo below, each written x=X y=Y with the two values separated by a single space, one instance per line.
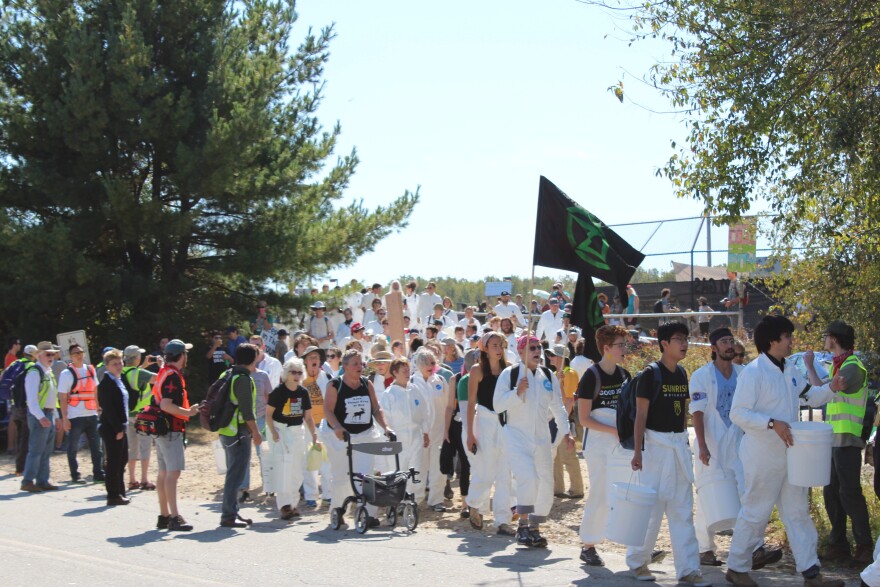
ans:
x=598 y=387
x=151 y=421
x=19 y=397
x=514 y=376
x=658 y=307
x=217 y=410
x=8 y=380
x=626 y=404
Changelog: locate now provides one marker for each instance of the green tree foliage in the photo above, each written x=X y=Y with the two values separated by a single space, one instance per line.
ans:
x=781 y=102
x=163 y=163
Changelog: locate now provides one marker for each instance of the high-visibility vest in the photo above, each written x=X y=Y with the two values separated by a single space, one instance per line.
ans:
x=144 y=395
x=177 y=424
x=237 y=419
x=846 y=413
x=84 y=389
x=46 y=377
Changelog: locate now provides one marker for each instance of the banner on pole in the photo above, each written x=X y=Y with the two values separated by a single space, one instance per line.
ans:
x=742 y=246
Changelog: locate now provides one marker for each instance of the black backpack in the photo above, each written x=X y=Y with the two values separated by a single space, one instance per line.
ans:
x=658 y=307
x=10 y=377
x=514 y=376
x=19 y=397
x=217 y=410
x=626 y=404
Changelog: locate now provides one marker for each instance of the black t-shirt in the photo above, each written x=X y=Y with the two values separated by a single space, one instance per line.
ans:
x=216 y=365
x=290 y=404
x=668 y=412
x=609 y=390
x=354 y=409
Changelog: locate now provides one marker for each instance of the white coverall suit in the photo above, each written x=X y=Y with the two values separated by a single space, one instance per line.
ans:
x=289 y=463
x=722 y=441
x=871 y=574
x=360 y=462
x=527 y=436
x=410 y=416
x=763 y=391
x=435 y=391
x=489 y=466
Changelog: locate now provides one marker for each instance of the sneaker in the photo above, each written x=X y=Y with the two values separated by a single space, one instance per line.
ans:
x=438 y=507
x=99 y=479
x=178 y=524
x=538 y=541
x=48 y=487
x=245 y=497
x=591 y=558
x=708 y=559
x=447 y=491
x=522 y=536
x=506 y=530
x=326 y=503
x=311 y=503
x=30 y=487
x=465 y=512
x=643 y=573
x=162 y=522
x=695 y=579
x=739 y=579
x=113 y=501
x=286 y=512
x=658 y=556
x=232 y=524
x=765 y=556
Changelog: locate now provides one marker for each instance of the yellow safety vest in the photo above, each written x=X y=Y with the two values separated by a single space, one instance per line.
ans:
x=846 y=413
x=232 y=428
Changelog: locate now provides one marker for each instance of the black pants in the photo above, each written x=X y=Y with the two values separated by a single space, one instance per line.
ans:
x=447 y=457
x=876 y=467
x=844 y=498
x=23 y=434
x=116 y=452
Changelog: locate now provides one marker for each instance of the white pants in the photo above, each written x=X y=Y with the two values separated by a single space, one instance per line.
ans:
x=432 y=479
x=412 y=455
x=766 y=485
x=596 y=450
x=871 y=574
x=531 y=463
x=310 y=478
x=490 y=467
x=288 y=464
x=361 y=463
x=663 y=471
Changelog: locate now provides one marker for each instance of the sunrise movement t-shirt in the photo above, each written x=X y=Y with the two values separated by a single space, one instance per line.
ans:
x=668 y=412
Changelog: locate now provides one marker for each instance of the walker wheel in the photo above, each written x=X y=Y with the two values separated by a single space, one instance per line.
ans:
x=336 y=518
x=392 y=516
x=361 y=521
x=410 y=516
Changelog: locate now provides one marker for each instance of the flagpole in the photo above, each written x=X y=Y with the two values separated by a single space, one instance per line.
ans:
x=531 y=299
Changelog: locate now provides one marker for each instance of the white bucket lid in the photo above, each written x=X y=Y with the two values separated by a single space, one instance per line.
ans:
x=807 y=429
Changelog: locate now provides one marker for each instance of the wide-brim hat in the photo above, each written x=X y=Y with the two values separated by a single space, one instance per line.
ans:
x=559 y=350
x=382 y=357
x=46 y=347
x=318 y=306
x=313 y=349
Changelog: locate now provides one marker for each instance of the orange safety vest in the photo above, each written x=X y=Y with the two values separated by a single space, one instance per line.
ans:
x=85 y=389
x=177 y=424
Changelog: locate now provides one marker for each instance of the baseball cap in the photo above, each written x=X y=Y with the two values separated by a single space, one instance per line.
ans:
x=840 y=329
x=177 y=347
x=553 y=301
x=357 y=326
x=505 y=293
x=133 y=351
x=30 y=350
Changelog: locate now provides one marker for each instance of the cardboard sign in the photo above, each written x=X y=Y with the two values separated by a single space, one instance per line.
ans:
x=394 y=314
x=270 y=338
x=66 y=339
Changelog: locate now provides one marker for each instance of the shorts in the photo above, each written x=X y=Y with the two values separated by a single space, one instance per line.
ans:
x=704 y=328
x=169 y=452
x=138 y=445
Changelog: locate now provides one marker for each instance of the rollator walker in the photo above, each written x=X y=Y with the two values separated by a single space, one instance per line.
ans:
x=386 y=490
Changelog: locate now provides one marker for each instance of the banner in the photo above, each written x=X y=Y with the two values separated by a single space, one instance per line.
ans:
x=742 y=245
x=67 y=339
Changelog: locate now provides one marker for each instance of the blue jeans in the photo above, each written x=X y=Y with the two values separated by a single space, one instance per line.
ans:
x=41 y=441
x=87 y=425
x=261 y=426
x=238 y=461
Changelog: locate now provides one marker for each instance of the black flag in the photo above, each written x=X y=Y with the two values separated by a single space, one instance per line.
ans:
x=569 y=237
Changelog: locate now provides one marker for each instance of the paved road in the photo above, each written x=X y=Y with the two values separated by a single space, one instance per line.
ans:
x=70 y=537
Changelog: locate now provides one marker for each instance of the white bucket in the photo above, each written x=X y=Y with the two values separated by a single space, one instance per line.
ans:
x=629 y=513
x=269 y=456
x=219 y=456
x=809 y=458
x=719 y=501
x=618 y=468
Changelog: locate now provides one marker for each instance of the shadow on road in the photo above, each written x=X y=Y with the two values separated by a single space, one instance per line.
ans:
x=86 y=511
x=138 y=539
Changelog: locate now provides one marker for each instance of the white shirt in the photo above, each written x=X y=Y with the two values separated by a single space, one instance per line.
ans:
x=411 y=308
x=580 y=364
x=548 y=324
x=65 y=384
x=426 y=305
x=32 y=389
x=374 y=327
x=464 y=323
x=509 y=310
x=272 y=367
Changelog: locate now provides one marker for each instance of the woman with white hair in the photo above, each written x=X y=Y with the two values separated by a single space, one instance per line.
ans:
x=435 y=390
x=288 y=407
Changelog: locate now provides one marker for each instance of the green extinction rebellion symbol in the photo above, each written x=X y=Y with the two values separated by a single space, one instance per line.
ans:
x=591 y=230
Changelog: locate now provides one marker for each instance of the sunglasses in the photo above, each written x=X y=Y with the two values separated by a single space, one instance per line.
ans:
x=535 y=348
x=331 y=356
x=295 y=372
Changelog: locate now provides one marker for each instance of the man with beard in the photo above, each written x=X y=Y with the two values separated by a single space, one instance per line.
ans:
x=505 y=309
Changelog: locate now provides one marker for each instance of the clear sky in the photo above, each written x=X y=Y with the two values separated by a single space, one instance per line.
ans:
x=473 y=101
